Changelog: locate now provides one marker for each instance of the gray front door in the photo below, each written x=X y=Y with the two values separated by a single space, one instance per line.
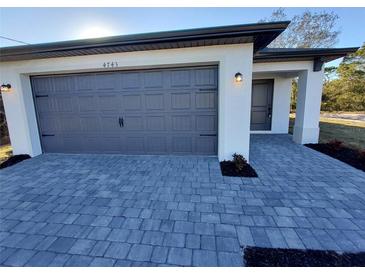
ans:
x=261 y=106
x=160 y=111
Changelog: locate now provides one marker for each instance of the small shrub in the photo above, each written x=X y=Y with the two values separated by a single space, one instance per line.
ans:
x=239 y=161
x=335 y=144
x=362 y=155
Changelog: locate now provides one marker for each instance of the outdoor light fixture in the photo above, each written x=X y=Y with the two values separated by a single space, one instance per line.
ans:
x=238 y=76
x=5 y=87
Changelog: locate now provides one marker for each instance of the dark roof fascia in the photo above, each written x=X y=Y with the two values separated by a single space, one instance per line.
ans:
x=272 y=30
x=282 y=55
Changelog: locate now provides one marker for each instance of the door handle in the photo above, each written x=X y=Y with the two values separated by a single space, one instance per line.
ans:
x=121 y=122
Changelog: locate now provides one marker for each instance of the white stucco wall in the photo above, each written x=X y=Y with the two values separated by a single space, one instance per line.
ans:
x=234 y=100
x=310 y=83
x=306 y=128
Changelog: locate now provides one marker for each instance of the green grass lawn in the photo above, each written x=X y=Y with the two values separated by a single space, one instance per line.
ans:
x=5 y=152
x=352 y=133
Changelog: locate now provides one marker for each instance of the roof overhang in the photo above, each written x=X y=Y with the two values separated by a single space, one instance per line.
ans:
x=261 y=35
x=301 y=54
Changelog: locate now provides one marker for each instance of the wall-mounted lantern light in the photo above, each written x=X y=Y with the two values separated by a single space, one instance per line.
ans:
x=5 y=87
x=238 y=77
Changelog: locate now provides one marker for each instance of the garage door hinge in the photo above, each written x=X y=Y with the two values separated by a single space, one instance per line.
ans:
x=207 y=89
x=208 y=134
x=47 y=135
x=39 y=96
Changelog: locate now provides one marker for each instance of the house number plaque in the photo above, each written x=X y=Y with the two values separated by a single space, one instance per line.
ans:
x=110 y=64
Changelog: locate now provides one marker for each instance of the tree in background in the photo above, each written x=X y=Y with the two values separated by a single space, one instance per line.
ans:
x=307 y=30
x=344 y=87
x=346 y=91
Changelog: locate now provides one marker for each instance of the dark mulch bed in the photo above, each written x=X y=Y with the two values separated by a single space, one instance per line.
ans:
x=337 y=150
x=228 y=168
x=14 y=160
x=267 y=257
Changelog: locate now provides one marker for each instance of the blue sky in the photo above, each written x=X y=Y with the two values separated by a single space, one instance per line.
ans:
x=38 y=25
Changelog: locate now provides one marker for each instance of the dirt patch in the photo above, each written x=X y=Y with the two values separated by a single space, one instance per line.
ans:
x=269 y=257
x=229 y=168
x=14 y=160
x=337 y=150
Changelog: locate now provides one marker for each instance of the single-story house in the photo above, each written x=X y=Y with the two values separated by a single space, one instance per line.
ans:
x=188 y=92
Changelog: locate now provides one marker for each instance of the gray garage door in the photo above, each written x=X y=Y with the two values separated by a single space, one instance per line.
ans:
x=164 y=111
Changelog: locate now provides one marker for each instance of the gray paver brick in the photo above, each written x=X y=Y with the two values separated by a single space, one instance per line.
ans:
x=192 y=241
x=42 y=258
x=62 y=244
x=79 y=261
x=117 y=250
x=82 y=247
x=301 y=196
x=159 y=254
x=208 y=242
x=229 y=259
x=118 y=235
x=183 y=227
x=205 y=258
x=225 y=230
x=99 y=248
x=180 y=256
x=19 y=257
x=227 y=244
x=153 y=238
x=204 y=228
x=102 y=262
x=244 y=236
x=140 y=252
x=99 y=233
x=174 y=240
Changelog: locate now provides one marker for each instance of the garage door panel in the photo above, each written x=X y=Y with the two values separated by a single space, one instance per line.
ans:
x=156 y=144
x=42 y=85
x=180 y=78
x=206 y=145
x=71 y=143
x=85 y=82
x=206 y=123
x=153 y=79
x=108 y=81
x=112 y=144
x=154 y=123
x=69 y=124
x=51 y=143
x=134 y=122
x=154 y=101
x=87 y=103
x=132 y=102
x=160 y=111
x=49 y=124
x=131 y=80
x=181 y=100
x=182 y=123
x=182 y=144
x=64 y=104
x=206 y=77
x=135 y=144
x=109 y=123
x=90 y=124
x=63 y=84
x=109 y=103
x=205 y=100
x=45 y=105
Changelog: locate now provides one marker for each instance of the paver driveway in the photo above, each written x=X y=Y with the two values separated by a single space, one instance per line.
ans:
x=103 y=210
